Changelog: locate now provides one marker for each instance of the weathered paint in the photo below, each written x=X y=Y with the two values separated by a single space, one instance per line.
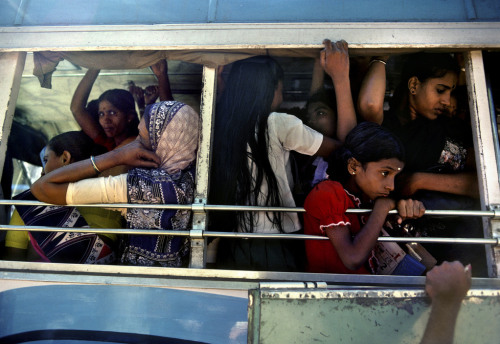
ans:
x=388 y=37
x=11 y=69
x=198 y=249
x=484 y=146
x=362 y=316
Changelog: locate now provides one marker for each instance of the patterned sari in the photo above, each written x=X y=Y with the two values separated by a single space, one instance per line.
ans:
x=173 y=129
x=64 y=247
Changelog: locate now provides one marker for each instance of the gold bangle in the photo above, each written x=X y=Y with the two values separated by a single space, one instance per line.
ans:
x=94 y=165
x=378 y=60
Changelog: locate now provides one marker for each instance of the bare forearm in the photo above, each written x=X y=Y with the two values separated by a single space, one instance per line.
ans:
x=372 y=93
x=441 y=324
x=459 y=184
x=318 y=77
x=79 y=103
x=346 y=116
x=354 y=253
x=52 y=187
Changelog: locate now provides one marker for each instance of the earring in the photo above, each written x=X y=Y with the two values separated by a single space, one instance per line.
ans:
x=412 y=91
x=353 y=173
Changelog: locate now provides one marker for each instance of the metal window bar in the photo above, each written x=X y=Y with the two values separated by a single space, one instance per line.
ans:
x=197 y=234
x=494 y=214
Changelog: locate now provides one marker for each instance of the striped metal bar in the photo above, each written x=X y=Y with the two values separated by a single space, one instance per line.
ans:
x=214 y=207
x=206 y=234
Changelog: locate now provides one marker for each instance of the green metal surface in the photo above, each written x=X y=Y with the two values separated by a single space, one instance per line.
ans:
x=362 y=316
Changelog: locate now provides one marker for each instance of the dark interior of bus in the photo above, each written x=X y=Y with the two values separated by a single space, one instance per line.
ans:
x=42 y=113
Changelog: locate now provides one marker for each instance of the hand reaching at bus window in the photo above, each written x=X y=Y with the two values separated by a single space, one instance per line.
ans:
x=138 y=94
x=151 y=93
x=160 y=70
x=334 y=59
x=446 y=285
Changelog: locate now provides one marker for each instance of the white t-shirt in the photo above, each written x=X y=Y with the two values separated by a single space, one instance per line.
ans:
x=286 y=133
x=99 y=190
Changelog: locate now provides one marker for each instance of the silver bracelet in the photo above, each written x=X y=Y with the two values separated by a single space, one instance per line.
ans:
x=94 y=165
x=377 y=60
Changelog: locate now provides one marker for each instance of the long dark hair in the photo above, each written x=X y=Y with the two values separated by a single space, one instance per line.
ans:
x=241 y=136
x=77 y=143
x=367 y=142
x=424 y=66
x=123 y=101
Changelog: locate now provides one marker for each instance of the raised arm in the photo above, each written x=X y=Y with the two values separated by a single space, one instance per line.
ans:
x=446 y=285
x=372 y=92
x=52 y=187
x=318 y=77
x=355 y=252
x=89 y=125
x=335 y=61
x=160 y=69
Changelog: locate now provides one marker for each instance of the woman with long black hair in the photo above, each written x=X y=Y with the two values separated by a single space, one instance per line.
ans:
x=250 y=165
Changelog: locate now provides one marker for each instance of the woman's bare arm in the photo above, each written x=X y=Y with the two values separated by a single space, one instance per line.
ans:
x=372 y=92
x=464 y=183
x=335 y=60
x=160 y=69
x=52 y=187
x=355 y=252
x=79 y=102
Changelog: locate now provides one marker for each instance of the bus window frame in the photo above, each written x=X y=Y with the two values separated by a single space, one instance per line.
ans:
x=12 y=64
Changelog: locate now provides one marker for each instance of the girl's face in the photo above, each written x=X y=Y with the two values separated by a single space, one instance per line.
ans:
x=143 y=136
x=322 y=118
x=278 y=97
x=376 y=179
x=52 y=161
x=113 y=121
x=431 y=98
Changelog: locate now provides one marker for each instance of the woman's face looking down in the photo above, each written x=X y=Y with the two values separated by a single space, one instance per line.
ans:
x=432 y=97
x=113 y=121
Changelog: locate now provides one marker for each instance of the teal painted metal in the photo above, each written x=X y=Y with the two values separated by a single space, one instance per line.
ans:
x=131 y=12
x=363 y=316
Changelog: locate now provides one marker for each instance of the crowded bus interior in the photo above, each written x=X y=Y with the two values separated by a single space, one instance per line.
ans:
x=42 y=113
x=251 y=171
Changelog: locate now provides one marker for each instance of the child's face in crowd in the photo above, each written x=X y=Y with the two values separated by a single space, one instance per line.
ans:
x=322 y=118
x=113 y=121
x=376 y=179
x=143 y=134
x=432 y=97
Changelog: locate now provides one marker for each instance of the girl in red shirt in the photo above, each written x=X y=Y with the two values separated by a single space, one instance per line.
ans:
x=364 y=170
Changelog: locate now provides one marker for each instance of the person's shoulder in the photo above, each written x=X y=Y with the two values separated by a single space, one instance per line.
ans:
x=282 y=116
x=329 y=187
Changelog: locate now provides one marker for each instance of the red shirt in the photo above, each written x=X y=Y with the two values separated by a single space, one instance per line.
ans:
x=325 y=208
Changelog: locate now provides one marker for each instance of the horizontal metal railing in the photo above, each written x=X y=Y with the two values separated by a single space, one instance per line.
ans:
x=214 y=234
x=214 y=207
